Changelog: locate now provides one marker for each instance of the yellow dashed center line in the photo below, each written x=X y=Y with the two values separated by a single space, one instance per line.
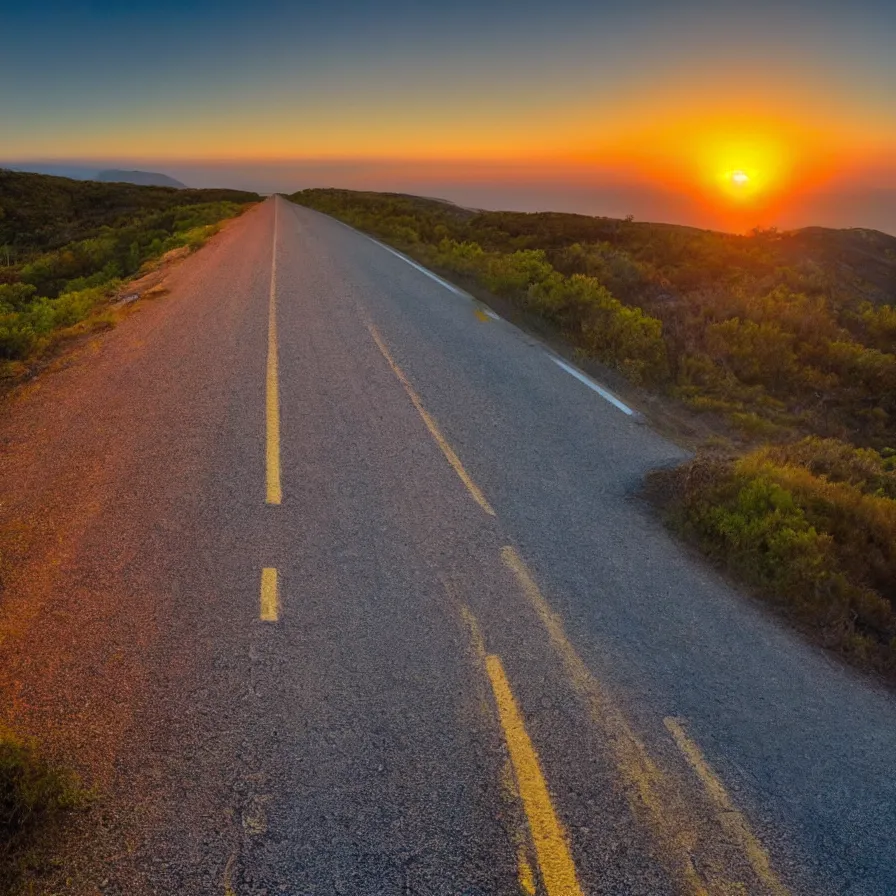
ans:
x=440 y=440
x=270 y=597
x=524 y=873
x=272 y=396
x=548 y=837
x=228 y=876
x=554 y=860
x=732 y=820
x=649 y=791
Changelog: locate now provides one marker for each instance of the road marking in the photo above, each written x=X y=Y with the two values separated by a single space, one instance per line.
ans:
x=732 y=820
x=423 y=270
x=476 y=640
x=485 y=314
x=440 y=280
x=255 y=816
x=270 y=597
x=524 y=873
x=228 y=876
x=648 y=792
x=608 y=396
x=548 y=837
x=434 y=431
x=272 y=396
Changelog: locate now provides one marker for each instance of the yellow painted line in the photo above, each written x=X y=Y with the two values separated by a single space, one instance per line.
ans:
x=440 y=440
x=548 y=837
x=651 y=796
x=272 y=396
x=228 y=876
x=270 y=597
x=525 y=874
x=729 y=816
x=476 y=639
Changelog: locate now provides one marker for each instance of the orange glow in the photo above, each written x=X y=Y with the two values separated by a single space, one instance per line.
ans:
x=748 y=169
x=740 y=164
x=734 y=152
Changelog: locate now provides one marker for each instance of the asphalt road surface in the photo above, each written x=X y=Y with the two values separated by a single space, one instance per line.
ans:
x=330 y=582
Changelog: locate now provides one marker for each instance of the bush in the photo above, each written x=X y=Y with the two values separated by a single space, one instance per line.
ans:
x=869 y=471
x=15 y=296
x=60 y=288
x=33 y=796
x=617 y=334
x=823 y=550
x=464 y=258
x=17 y=337
x=513 y=274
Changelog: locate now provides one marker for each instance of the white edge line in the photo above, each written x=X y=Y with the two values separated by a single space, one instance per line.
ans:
x=440 y=280
x=423 y=270
x=450 y=286
x=608 y=396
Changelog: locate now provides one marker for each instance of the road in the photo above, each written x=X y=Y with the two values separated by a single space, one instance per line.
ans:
x=330 y=582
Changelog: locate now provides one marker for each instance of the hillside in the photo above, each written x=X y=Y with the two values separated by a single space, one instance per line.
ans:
x=66 y=245
x=140 y=178
x=39 y=211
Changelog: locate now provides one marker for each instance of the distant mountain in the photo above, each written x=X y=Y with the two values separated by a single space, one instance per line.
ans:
x=141 y=178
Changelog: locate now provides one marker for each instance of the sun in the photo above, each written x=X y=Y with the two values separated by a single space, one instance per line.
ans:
x=741 y=183
x=743 y=168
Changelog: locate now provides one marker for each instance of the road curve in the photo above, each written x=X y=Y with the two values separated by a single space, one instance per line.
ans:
x=330 y=582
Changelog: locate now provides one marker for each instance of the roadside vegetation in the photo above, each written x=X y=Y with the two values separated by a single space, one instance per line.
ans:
x=783 y=343
x=66 y=246
x=34 y=798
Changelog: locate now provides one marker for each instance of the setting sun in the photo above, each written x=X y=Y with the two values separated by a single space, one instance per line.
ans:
x=742 y=183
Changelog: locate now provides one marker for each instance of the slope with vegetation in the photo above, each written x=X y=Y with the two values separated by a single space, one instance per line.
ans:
x=786 y=340
x=142 y=178
x=65 y=247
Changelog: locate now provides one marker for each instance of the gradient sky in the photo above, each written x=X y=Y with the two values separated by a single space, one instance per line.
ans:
x=642 y=106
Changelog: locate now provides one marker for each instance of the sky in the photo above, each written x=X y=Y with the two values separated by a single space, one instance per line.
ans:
x=703 y=112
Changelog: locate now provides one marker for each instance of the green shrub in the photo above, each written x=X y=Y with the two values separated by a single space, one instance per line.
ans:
x=824 y=550
x=514 y=273
x=15 y=296
x=611 y=266
x=869 y=471
x=61 y=287
x=617 y=334
x=33 y=796
x=17 y=337
x=464 y=258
